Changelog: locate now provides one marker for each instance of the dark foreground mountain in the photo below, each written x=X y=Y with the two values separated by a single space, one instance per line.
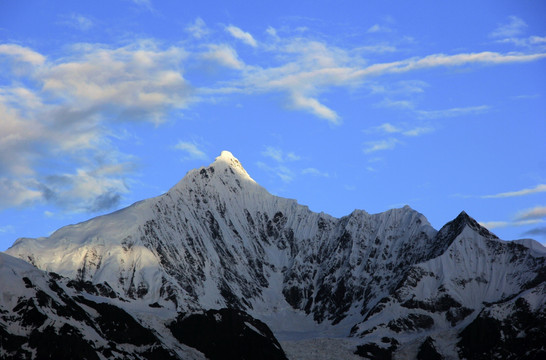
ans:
x=217 y=240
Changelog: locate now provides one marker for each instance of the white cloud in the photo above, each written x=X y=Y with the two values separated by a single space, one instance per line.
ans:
x=22 y=54
x=284 y=173
x=537 y=39
x=86 y=190
x=314 y=172
x=418 y=131
x=193 y=151
x=64 y=107
x=453 y=112
x=272 y=32
x=305 y=68
x=225 y=55
x=279 y=155
x=373 y=146
x=536 y=215
x=401 y=104
x=17 y=193
x=376 y=28
x=388 y=128
x=146 y=4
x=537 y=189
x=538 y=212
x=241 y=35
x=379 y=48
x=300 y=101
x=404 y=129
x=7 y=229
x=536 y=42
x=282 y=159
x=502 y=224
x=140 y=81
x=437 y=60
x=78 y=21
x=63 y=110
x=514 y=27
x=198 y=28
x=274 y=153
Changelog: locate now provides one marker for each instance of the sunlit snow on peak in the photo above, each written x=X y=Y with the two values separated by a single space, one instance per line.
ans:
x=227 y=158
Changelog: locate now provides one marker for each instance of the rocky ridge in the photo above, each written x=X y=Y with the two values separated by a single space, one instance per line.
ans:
x=219 y=240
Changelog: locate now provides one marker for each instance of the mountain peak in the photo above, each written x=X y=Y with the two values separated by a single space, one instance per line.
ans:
x=227 y=160
x=226 y=155
x=452 y=229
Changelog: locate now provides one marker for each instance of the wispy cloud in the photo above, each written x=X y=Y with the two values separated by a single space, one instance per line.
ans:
x=145 y=4
x=453 y=112
x=284 y=173
x=198 y=28
x=18 y=193
x=300 y=101
x=512 y=33
x=20 y=53
x=538 y=212
x=7 y=229
x=376 y=28
x=380 y=145
x=66 y=107
x=78 y=21
x=502 y=224
x=279 y=155
x=224 y=55
x=312 y=67
x=402 y=129
x=526 y=217
x=537 y=189
x=515 y=26
x=538 y=231
x=241 y=35
x=379 y=48
x=314 y=172
x=192 y=150
x=418 y=131
x=394 y=132
x=537 y=42
x=281 y=166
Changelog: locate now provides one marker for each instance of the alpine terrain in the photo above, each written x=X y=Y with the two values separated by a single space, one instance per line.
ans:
x=219 y=268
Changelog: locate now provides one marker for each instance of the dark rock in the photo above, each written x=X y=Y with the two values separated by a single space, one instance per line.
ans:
x=375 y=352
x=427 y=351
x=227 y=334
x=65 y=343
x=119 y=326
x=519 y=336
x=411 y=323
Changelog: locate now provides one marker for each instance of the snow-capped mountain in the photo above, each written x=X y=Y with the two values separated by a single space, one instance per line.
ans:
x=218 y=239
x=46 y=316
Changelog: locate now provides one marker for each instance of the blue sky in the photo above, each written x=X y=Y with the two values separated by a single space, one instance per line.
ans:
x=341 y=105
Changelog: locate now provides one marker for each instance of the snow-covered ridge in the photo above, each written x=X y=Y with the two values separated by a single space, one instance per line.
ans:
x=218 y=239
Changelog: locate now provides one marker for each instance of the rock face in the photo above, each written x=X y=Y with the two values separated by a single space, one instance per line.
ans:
x=219 y=240
x=227 y=334
x=46 y=316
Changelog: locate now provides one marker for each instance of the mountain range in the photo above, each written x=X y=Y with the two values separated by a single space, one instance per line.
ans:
x=219 y=268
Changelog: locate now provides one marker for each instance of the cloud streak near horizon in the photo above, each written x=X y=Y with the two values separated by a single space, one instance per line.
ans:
x=537 y=189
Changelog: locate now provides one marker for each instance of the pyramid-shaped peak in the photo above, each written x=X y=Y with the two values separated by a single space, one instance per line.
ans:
x=453 y=228
x=227 y=160
x=226 y=156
